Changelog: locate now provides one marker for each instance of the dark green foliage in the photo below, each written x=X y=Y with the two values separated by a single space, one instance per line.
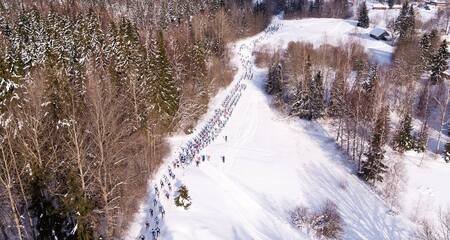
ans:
x=373 y=168
x=78 y=209
x=183 y=199
x=363 y=18
x=439 y=63
x=273 y=84
x=309 y=104
x=49 y=224
x=404 y=140
x=405 y=22
x=337 y=102
x=421 y=139
x=391 y=3
x=447 y=153
x=426 y=51
x=165 y=94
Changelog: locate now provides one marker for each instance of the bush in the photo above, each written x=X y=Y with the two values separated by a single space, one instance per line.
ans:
x=183 y=199
x=326 y=222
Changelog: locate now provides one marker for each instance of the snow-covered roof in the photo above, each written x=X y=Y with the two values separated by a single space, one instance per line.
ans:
x=378 y=32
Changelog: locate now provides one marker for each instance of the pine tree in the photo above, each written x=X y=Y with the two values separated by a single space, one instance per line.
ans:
x=425 y=51
x=183 y=199
x=405 y=22
x=447 y=152
x=316 y=89
x=309 y=103
x=373 y=168
x=363 y=18
x=78 y=209
x=439 y=63
x=336 y=105
x=404 y=140
x=49 y=224
x=391 y=3
x=273 y=84
x=165 y=94
x=420 y=141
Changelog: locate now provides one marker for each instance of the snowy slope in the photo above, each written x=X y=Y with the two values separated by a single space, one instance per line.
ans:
x=329 y=31
x=272 y=164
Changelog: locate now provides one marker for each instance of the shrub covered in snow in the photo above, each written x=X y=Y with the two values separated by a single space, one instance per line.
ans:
x=326 y=223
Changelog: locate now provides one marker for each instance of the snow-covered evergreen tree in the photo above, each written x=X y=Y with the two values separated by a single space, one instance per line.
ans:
x=336 y=105
x=373 y=168
x=439 y=63
x=273 y=84
x=165 y=93
x=426 y=51
x=405 y=22
x=447 y=152
x=404 y=140
x=309 y=104
x=391 y=3
x=363 y=18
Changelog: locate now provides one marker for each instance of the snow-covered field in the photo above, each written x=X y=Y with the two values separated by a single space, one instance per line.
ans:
x=332 y=31
x=273 y=164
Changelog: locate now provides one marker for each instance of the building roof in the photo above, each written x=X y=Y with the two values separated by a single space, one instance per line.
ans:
x=378 y=32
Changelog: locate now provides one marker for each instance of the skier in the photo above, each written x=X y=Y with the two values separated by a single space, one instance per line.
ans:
x=167 y=195
x=147 y=225
x=155 y=202
x=154 y=233
x=151 y=212
x=226 y=138
x=223 y=159
x=157 y=231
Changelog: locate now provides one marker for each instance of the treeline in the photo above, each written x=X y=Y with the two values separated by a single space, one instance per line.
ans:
x=316 y=8
x=89 y=90
x=358 y=97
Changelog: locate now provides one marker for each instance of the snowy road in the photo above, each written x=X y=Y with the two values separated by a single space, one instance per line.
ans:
x=273 y=164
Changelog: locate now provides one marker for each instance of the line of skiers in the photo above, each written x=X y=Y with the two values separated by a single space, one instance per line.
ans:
x=204 y=137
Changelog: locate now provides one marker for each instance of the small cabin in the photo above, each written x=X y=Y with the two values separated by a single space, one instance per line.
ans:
x=379 y=34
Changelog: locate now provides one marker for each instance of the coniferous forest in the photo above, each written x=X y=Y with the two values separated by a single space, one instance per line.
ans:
x=89 y=90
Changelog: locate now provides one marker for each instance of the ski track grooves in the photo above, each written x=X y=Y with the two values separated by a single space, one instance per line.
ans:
x=144 y=232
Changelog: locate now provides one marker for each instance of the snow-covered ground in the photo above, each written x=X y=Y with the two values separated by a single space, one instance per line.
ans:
x=329 y=31
x=273 y=163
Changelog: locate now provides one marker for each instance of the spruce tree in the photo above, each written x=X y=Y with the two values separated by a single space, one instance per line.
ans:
x=447 y=152
x=363 y=18
x=373 y=168
x=439 y=63
x=405 y=22
x=391 y=3
x=420 y=141
x=165 y=94
x=336 y=105
x=426 y=52
x=48 y=221
x=273 y=84
x=404 y=140
x=316 y=89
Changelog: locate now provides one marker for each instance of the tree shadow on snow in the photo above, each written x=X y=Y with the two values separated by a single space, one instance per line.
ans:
x=363 y=211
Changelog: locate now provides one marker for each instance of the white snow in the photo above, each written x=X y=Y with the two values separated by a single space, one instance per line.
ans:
x=273 y=163
x=332 y=31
